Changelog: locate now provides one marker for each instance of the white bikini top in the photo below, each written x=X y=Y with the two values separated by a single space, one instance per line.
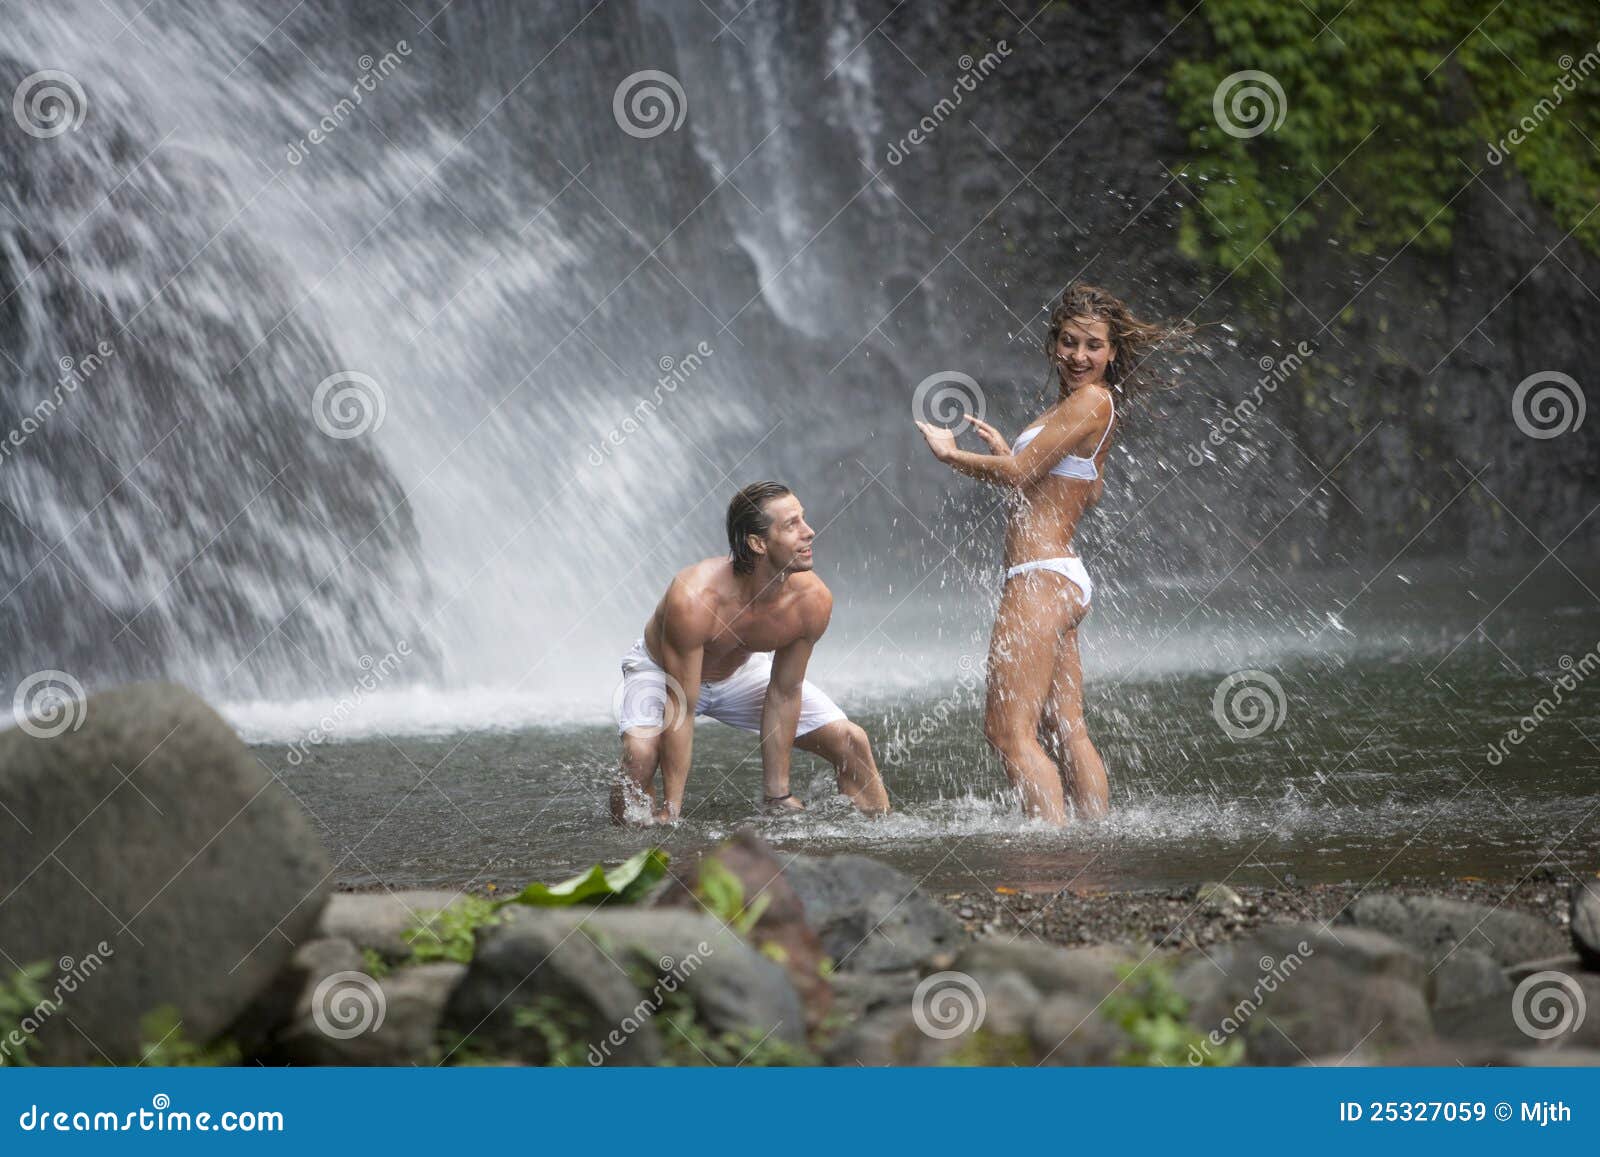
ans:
x=1071 y=466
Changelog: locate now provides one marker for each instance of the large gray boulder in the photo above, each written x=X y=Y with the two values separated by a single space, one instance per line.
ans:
x=1586 y=922
x=1292 y=991
x=606 y=983
x=1434 y=924
x=871 y=917
x=138 y=833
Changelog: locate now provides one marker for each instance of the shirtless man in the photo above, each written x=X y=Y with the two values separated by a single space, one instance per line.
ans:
x=731 y=639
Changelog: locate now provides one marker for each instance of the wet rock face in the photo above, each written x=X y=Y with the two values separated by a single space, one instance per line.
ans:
x=160 y=865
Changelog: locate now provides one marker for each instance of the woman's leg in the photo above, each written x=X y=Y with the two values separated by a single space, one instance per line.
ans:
x=1022 y=654
x=1082 y=772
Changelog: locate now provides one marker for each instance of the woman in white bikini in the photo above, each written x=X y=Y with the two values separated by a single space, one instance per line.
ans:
x=1055 y=473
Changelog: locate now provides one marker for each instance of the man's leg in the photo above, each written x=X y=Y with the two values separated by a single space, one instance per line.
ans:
x=634 y=789
x=846 y=746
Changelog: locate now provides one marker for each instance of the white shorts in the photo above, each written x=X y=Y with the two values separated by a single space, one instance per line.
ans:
x=643 y=698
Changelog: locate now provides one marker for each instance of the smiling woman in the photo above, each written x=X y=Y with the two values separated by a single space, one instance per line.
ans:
x=1054 y=471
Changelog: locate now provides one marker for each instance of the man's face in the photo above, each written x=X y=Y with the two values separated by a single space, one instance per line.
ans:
x=788 y=543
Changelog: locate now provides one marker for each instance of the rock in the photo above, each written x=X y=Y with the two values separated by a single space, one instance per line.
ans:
x=347 y=1018
x=1433 y=924
x=1088 y=972
x=1567 y=962
x=378 y=920
x=576 y=971
x=1293 y=991
x=157 y=846
x=871 y=918
x=782 y=933
x=1069 y=1030
x=1550 y=1010
x=950 y=1019
x=1463 y=976
x=277 y=1005
x=1217 y=898
x=1586 y=922
x=856 y=994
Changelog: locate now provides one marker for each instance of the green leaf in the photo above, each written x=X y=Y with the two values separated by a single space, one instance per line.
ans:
x=627 y=883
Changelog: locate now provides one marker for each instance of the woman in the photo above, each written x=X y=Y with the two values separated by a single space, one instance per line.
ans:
x=1055 y=473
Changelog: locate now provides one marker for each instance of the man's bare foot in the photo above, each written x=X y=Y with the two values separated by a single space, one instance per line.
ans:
x=663 y=816
x=780 y=804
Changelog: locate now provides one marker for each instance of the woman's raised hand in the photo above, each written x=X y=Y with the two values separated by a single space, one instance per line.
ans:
x=941 y=441
x=992 y=438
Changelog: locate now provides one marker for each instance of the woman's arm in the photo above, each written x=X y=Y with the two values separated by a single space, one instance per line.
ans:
x=1080 y=416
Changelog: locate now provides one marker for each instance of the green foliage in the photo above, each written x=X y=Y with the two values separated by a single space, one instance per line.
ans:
x=163 y=1043
x=721 y=893
x=992 y=1050
x=1370 y=103
x=561 y=1026
x=450 y=934
x=374 y=964
x=1155 y=1016
x=627 y=883
x=686 y=1042
x=19 y=996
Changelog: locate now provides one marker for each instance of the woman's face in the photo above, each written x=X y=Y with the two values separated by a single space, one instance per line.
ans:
x=1083 y=351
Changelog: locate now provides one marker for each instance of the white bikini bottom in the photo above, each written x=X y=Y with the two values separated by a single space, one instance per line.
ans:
x=1072 y=568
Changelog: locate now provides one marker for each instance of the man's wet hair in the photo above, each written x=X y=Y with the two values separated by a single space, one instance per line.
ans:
x=746 y=516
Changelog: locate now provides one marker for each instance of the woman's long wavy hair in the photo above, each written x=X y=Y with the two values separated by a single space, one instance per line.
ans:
x=1134 y=339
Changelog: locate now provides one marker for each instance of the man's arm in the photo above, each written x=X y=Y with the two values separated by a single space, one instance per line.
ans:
x=684 y=630
x=780 y=715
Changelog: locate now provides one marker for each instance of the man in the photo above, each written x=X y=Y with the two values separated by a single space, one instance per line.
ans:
x=731 y=639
